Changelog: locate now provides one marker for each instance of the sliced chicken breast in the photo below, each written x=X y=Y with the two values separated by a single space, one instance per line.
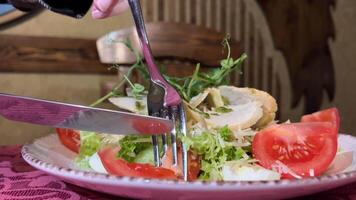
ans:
x=131 y=104
x=240 y=117
x=238 y=96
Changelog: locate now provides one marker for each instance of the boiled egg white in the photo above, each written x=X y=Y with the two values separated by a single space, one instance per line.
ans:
x=247 y=173
x=96 y=164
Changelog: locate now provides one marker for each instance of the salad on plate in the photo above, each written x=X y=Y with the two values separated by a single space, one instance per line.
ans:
x=232 y=133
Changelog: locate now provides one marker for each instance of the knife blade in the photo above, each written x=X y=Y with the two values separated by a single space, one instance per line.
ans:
x=78 y=117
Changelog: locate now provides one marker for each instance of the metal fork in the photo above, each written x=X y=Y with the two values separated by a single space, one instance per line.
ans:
x=162 y=100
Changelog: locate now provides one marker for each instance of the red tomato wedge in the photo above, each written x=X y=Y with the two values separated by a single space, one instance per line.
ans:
x=296 y=150
x=328 y=115
x=69 y=138
x=193 y=164
x=120 y=167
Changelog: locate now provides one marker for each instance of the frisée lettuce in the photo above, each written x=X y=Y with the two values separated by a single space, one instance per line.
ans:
x=215 y=147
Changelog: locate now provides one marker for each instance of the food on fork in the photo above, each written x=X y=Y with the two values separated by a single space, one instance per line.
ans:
x=232 y=135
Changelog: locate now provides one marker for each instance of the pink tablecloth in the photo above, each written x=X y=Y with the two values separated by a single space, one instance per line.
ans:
x=20 y=181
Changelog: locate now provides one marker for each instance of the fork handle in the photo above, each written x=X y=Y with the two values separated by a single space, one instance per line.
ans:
x=172 y=97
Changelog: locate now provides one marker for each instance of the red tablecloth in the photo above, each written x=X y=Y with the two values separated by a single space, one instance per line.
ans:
x=20 y=181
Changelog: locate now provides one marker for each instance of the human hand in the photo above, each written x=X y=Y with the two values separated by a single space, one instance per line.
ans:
x=107 y=8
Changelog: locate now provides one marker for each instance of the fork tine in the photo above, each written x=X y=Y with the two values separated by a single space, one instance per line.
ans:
x=183 y=130
x=156 y=151
x=174 y=118
x=164 y=136
x=156 y=155
x=164 y=144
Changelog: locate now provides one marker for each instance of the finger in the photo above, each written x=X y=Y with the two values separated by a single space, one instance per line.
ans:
x=107 y=8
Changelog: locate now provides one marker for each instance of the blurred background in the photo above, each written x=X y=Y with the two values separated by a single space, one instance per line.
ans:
x=301 y=51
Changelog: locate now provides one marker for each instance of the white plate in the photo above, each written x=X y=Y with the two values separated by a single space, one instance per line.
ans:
x=47 y=154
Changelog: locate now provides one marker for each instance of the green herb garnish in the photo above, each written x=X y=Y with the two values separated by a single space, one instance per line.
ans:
x=223 y=109
x=139 y=106
x=138 y=66
x=187 y=87
x=137 y=89
x=191 y=86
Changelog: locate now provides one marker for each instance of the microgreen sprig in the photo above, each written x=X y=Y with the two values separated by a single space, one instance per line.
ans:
x=193 y=85
x=187 y=87
x=137 y=66
x=137 y=89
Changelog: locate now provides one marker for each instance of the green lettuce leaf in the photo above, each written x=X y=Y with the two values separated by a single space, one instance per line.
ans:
x=145 y=156
x=215 y=149
x=89 y=144
x=132 y=146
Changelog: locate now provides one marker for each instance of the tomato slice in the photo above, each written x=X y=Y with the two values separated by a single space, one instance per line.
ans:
x=69 y=138
x=296 y=150
x=120 y=167
x=328 y=115
x=193 y=164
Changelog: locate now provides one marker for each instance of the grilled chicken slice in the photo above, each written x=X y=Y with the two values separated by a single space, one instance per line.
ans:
x=247 y=107
x=239 y=96
x=131 y=104
x=240 y=116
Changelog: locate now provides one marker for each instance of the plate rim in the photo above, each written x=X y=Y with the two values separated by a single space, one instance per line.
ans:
x=95 y=177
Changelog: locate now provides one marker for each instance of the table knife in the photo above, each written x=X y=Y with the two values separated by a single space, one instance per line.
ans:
x=78 y=117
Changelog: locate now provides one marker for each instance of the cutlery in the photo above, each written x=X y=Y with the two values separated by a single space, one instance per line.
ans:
x=64 y=115
x=162 y=100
